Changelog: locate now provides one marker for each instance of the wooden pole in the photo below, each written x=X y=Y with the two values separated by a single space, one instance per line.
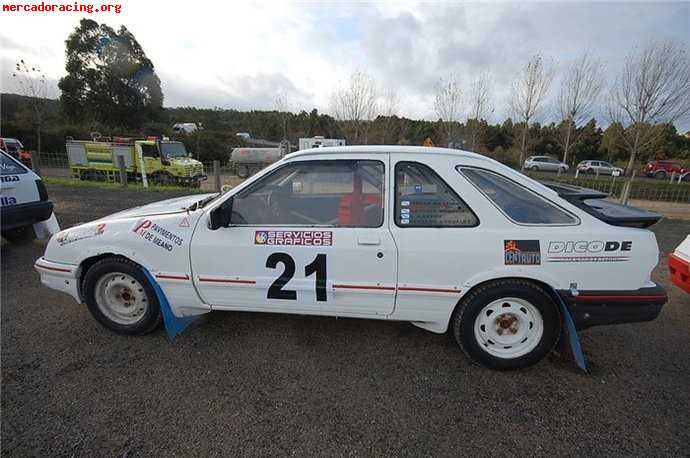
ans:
x=123 y=170
x=216 y=175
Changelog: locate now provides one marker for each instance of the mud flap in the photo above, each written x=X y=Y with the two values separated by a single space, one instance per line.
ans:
x=46 y=229
x=173 y=325
x=570 y=342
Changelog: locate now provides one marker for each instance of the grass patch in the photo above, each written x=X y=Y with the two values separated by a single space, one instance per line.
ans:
x=76 y=183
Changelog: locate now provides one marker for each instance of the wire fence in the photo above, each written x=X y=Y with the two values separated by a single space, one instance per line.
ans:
x=643 y=188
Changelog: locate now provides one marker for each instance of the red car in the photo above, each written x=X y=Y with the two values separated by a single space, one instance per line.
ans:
x=14 y=148
x=663 y=169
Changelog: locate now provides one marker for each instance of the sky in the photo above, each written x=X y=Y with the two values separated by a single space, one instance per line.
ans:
x=240 y=55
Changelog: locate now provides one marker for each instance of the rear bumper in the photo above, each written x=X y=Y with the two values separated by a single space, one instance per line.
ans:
x=25 y=214
x=680 y=272
x=594 y=308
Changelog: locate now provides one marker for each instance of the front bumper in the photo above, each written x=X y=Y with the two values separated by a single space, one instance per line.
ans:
x=594 y=308
x=59 y=276
x=25 y=214
x=680 y=272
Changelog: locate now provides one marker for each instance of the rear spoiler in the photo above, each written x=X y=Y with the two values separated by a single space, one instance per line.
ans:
x=594 y=203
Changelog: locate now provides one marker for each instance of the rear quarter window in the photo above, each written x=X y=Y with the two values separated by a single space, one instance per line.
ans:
x=9 y=166
x=518 y=203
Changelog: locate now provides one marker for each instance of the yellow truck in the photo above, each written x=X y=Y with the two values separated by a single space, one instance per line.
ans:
x=164 y=161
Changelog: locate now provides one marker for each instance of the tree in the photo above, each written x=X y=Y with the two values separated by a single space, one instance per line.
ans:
x=480 y=107
x=529 y=92
x=109 y=78
x=447 y=104
x=32 y=84
x=389 y=110
x=282 y=105
x=580 y=89
x=355 y=106
x=652 y=89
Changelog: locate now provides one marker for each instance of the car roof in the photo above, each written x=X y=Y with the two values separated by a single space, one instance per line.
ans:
x=385 y=149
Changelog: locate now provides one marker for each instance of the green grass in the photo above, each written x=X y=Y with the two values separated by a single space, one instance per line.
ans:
x=76 y=183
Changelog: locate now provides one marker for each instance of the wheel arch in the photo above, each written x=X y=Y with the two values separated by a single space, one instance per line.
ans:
x=93 y=258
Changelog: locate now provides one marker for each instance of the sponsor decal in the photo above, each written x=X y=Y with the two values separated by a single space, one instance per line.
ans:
x=296 y=238
x=8 y=201
x=157 y=234
x=521 y=252
x=71 y=236
x=9 y=179
x=589 y=251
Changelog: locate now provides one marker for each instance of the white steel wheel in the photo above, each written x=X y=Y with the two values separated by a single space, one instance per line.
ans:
x=121 y=298
x=509 y=327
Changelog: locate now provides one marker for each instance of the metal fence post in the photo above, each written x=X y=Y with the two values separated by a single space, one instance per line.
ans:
x=123 y=170
x=216 y=175
x=596 y=177
x=577 y=173
x=673 y=176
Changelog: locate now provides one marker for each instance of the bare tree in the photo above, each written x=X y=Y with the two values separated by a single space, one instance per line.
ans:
x=480 y=106
x=652 y=89
x=580 y=89
x=355 y=105
x=282 y=106
x=447 y=103
x=32 y=84
x=529 y=92
x=389 y=106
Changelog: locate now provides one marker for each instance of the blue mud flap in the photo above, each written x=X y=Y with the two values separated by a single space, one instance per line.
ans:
x=173 y=325
x=570 y=342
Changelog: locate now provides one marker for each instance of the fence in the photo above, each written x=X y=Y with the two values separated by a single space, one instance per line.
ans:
x=56 y=164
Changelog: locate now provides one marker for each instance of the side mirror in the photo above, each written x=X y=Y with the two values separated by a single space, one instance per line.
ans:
x=221 y=215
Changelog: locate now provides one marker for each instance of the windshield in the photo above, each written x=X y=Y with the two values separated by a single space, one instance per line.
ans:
x=9 y=166
x=13 y=146
x=173 y=149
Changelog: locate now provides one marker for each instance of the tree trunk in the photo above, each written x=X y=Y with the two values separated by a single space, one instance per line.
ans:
x=523 y=146
x=566 y=148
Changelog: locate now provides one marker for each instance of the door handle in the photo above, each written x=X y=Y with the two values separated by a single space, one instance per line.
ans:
x=368 y=240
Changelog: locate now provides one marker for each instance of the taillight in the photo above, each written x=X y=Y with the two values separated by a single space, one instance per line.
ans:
x=42 y=191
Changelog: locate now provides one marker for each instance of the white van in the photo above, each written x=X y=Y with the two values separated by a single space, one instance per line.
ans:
x=24 y=200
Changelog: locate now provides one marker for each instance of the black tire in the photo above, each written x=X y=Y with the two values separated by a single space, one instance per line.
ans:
x=562 y=169
x=660 y=175
x=534 y=168
x=463 y=322
x=22 y=234
x=242 y=171
x=149 y=321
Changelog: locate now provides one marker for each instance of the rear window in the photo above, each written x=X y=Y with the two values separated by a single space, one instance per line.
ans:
x=515 y=201
x=9 y=166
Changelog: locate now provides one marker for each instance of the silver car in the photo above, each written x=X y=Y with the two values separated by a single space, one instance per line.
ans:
x=545 y=163
x=602 y=167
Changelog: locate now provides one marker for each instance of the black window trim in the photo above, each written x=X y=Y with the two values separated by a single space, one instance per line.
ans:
x=395 y=199
x=22 y=166
x=253 y=185
x=577 y=222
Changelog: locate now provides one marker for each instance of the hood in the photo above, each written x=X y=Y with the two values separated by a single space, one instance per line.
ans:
x=184 y=161
x=174 y=205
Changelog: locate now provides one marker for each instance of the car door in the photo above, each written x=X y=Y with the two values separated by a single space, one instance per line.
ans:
x=308 y=237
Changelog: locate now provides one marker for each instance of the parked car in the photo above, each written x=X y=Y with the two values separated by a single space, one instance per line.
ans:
x=441 y=238
x=663 y=169
x=14 y=148
x=602 y=167
x=679 y=265
x=24 y=199
x=545 y=163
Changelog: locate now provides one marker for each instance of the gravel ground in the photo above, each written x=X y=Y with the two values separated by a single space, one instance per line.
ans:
x=249 y=384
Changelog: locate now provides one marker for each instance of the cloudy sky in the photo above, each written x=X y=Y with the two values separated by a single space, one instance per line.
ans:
x=240 y=55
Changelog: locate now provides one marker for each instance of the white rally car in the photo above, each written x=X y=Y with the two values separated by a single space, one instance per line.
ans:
x=442 y=238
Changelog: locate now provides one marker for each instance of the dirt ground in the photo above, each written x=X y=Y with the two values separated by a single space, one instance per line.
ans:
x=249 y=384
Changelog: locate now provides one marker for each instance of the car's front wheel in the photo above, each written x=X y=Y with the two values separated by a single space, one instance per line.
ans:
x=120 y=297
x=507 y=324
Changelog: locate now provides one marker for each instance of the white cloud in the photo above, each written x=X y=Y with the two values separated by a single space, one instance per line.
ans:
x=239 y=55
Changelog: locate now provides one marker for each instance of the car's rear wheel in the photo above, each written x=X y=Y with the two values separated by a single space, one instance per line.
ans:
x=507 y=324
x=19 y=234
x=534 y=168
x=660 y=175
x=120 y=297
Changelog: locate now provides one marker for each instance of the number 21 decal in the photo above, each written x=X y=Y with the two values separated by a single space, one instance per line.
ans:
x=317 y=266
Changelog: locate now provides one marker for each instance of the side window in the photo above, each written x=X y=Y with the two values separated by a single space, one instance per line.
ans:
x=338 y=193
x=517 y=202
x=149 y=150
x=10 y=167
x=423 y=199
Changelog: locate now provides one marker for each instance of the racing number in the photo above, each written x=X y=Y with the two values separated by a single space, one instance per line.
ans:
x=317 y=266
